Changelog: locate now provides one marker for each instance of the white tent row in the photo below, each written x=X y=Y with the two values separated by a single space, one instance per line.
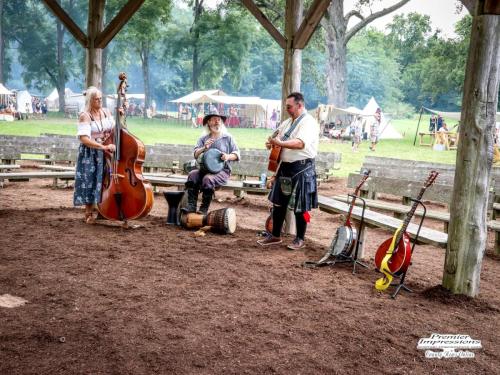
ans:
x=252 y=108
x=453 y=115
x=198 y=96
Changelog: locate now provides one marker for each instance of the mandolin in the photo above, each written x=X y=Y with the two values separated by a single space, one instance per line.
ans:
x=394 y=254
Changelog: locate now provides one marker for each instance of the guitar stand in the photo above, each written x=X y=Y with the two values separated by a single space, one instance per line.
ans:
x=401 y=284
x=342 y=258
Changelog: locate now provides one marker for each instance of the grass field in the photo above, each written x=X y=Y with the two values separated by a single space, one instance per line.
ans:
x=156 y=131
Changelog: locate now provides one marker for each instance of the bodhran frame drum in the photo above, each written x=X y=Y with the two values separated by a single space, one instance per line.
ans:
x=174 y=199
x=222 y=221
x=210 y=161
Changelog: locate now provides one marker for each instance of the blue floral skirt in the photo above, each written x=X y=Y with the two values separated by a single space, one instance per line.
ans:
x=88 y=176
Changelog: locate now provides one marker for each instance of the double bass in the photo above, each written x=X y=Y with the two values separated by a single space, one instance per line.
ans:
x=126 y=194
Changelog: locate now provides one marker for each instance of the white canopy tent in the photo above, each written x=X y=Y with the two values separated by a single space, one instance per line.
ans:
x=53 y=99
x=198 y=97
x=24 y=101
x=453 y=115
x=386 y=130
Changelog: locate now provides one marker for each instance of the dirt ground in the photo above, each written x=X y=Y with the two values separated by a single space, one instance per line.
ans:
x=158 y=299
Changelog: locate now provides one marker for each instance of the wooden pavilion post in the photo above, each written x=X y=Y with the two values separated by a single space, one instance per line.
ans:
x=292 y=61
x=298 y=32
x=97 y=38
x=468 y=210
x=93 y=54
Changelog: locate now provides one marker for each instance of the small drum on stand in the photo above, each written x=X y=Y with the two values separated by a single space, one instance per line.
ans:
x=222 y=221
x=210 y=161
x=174 y=199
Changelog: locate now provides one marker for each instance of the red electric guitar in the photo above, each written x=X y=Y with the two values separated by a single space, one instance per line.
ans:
x=394 y=254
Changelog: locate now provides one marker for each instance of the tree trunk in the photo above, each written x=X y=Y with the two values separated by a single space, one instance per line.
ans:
x=196 y=38
x=292 y=61
x=2 y=44
x=467 y=230
x=336 y=69
x=61 y=76
x=93 y=60
x=145 y=74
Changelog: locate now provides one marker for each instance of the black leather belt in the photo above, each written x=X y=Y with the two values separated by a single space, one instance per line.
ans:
x=303 y=161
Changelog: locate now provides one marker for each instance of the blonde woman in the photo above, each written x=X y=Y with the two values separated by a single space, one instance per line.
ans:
x=94 y=125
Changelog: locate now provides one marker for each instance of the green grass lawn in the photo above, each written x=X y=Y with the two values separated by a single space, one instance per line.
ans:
x=173 y=132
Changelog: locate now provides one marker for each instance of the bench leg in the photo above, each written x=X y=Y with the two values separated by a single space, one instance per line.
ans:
x=497 y=243
x=405 y=201
x=239 y=193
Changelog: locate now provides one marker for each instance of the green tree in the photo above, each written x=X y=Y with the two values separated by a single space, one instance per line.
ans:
x=142 y=33
x=42 y=46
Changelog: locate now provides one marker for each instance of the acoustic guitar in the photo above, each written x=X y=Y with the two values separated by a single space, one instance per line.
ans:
x=394 y=255
x=274 y=156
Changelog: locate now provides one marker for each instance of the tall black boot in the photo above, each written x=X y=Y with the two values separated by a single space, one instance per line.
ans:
x=192 y=194
x=206 y=199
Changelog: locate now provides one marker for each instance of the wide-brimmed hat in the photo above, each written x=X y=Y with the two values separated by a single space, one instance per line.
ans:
x=209 y=116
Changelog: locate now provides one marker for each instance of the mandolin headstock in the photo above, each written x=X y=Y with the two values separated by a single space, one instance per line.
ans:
x=431 y=178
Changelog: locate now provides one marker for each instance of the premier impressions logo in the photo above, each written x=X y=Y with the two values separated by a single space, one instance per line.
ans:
x=450 y=345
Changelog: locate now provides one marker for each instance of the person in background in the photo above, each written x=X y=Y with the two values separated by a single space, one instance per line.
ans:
x=374 y=129
x=432 y=124
x=439 y=122
x=357 y=128
x=94 y=125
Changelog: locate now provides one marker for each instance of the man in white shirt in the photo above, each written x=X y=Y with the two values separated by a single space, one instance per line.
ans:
x=295 y=181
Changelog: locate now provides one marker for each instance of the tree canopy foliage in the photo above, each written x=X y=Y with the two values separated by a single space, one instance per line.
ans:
x=170 y=48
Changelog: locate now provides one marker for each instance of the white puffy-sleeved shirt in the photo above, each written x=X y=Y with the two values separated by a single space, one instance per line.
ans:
x=97 y=127
x=308 y=132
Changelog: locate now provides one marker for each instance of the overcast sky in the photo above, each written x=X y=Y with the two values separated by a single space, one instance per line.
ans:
x=442 y=12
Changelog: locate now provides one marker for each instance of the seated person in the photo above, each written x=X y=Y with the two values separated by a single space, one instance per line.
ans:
x=216 y=137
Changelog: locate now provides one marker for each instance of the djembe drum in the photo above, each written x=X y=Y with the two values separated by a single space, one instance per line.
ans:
x=222 y=221
x=174 y=199
x=192 y=220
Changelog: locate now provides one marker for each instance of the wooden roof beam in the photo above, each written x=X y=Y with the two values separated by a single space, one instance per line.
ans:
x=491 y=7
x=310 y=22
x=264 y=21
x=117 y=23
x=67 y=21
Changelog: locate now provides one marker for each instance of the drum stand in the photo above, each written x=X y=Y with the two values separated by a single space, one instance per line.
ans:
x=401 y=284
x=342 y=258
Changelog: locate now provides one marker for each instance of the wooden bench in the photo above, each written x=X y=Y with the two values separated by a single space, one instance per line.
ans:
x=238 y=187
x=9 y=167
